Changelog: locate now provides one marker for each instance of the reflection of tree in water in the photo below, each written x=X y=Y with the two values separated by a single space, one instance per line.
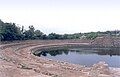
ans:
x=99 y=51
x=109 y=51
x=40 y=53
x=43 y=53
x=54 y=52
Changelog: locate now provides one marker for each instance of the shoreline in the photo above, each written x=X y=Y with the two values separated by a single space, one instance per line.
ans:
x=17 y=60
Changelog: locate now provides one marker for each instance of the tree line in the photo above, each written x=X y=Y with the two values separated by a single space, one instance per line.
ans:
x=11 y=32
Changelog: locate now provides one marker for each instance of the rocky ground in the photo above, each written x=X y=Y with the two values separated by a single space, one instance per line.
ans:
x=17 y=60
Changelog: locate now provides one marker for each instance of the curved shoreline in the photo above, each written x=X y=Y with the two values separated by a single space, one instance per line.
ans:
x=18 y=60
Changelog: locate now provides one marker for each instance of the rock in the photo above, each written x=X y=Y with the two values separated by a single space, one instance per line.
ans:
x=103 y=75
x=101 y=68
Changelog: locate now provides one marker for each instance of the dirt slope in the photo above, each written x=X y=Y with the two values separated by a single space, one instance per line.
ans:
x=17 y=60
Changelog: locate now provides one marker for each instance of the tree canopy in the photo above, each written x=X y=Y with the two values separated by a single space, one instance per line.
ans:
x=11 y=32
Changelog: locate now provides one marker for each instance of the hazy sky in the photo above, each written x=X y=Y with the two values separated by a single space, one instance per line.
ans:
x=63 y=16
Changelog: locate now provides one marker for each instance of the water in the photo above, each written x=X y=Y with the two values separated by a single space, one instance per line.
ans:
x=85 y=56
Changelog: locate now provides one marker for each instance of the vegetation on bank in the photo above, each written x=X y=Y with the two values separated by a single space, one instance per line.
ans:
x=11 y=32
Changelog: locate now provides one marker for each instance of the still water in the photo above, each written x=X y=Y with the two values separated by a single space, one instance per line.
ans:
x=84 y=56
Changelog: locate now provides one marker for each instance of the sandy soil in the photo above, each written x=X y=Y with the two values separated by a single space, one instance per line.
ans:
x=17 y=60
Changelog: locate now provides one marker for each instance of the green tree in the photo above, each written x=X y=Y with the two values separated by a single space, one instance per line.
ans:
x=1 y=25
x=91 y=35
x=55 y=36
x=38 y=34
x=29 y=34
x=9 y=32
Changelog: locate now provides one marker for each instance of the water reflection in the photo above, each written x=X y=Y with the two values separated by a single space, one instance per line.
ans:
x=54 y=52
x=98 y=51
x=109 y=51
x=84 y=56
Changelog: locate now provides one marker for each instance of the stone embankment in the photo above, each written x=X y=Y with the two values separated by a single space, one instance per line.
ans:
x=17 y=60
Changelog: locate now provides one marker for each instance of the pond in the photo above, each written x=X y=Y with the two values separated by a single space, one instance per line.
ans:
x=84 y=56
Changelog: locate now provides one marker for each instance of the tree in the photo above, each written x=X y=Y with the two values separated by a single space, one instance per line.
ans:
x=38 y=34
x=44 y=36
x=9 y=32
x=55 y=36
x=29 y=34
x=91 y=35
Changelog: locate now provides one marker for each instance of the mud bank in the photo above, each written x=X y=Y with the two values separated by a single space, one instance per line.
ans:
x=18 y=60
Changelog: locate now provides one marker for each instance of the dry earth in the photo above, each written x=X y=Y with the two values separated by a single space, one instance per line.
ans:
x=17 y=60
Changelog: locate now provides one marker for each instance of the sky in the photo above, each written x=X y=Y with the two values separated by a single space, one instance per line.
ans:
x=63 y=16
